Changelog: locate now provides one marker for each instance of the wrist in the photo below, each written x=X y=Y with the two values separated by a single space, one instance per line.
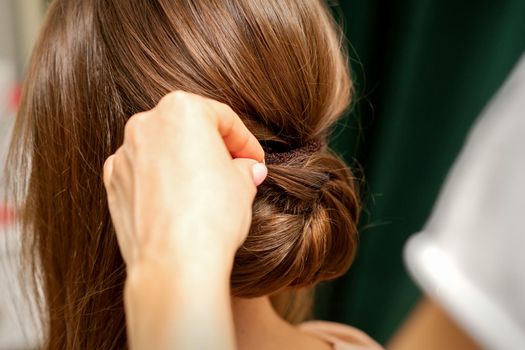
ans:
x=184 y=267
x=185 y=258
x=164 y=296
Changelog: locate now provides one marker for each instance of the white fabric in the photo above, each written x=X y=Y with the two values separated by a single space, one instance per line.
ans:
x=470 y=256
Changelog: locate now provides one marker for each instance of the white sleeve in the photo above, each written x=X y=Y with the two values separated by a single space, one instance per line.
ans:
x=470 y=256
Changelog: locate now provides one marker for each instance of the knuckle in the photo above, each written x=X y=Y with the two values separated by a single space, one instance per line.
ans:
x=139 y=117
x=132 y=129
x=177 y=107
x=175 y=98
x=227 y=108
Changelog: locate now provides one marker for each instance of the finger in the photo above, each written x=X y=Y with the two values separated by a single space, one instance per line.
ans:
x=108 y=170
x=123 y=240
x=122 y=230
x=253 y=171
x=259 y=172
x=239 y=141
x=112 y=197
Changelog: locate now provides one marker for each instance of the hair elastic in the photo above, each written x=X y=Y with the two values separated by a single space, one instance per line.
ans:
x=272 y=157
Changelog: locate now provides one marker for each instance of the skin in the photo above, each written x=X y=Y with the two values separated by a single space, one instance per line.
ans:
x=180 y=191
x=430 y=327
x=259 y=327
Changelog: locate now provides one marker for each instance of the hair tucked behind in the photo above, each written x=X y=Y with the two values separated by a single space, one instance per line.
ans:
x=279 y=64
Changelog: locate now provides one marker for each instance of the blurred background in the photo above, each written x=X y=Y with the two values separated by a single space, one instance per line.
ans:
x=423 y=71
x=19 y=24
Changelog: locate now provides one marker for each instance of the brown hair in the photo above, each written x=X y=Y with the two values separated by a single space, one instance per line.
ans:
x=279 y=64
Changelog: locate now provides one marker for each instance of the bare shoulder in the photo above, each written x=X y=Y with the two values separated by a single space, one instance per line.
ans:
x=341 y=336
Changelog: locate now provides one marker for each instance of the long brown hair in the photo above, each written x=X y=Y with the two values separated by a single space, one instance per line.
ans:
x=279 y=64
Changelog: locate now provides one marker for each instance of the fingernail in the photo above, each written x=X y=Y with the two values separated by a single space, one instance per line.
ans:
x=259 y=171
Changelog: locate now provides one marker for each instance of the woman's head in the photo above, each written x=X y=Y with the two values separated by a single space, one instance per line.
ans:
x=278 y=64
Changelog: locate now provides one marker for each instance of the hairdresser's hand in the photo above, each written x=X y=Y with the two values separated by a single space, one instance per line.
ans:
x=180 y=191
x=174 y=191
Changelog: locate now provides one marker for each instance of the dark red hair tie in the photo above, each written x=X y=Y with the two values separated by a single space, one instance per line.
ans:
x=272 y=157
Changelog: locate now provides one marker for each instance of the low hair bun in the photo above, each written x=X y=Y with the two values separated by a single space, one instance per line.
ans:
x=304 y=227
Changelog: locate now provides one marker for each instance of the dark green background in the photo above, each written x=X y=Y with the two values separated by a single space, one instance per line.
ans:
x=423 y=70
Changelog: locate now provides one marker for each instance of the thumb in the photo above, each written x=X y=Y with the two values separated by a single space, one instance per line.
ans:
x=108 y=170
x=253 y=170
